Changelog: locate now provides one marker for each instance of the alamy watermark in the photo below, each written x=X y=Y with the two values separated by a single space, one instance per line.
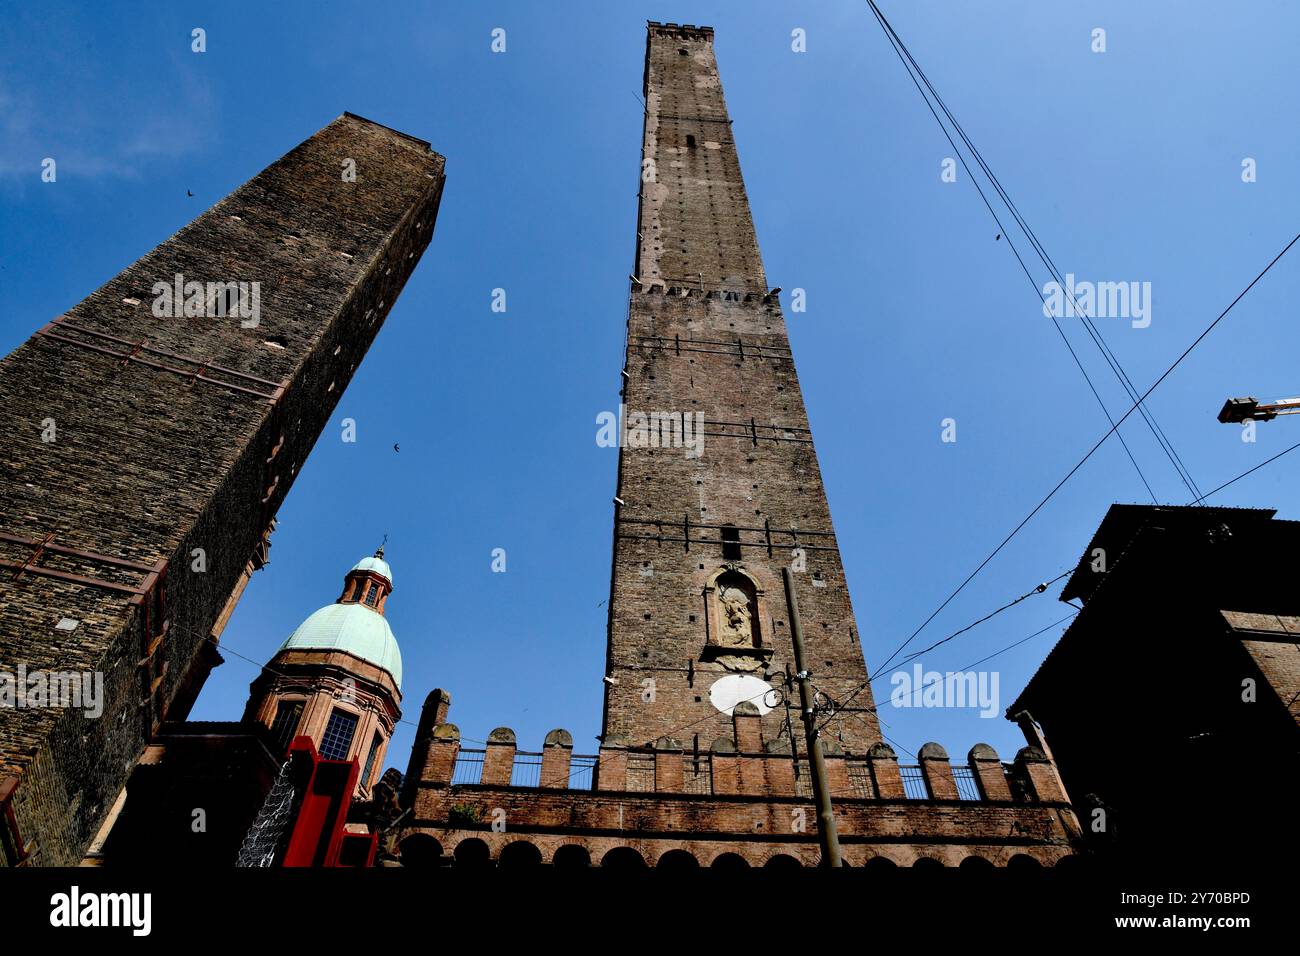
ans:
x=68 y=690
x=213 y=300
x=636 y=429
x=922 y=688
x=1099 y=300
x=75 y=908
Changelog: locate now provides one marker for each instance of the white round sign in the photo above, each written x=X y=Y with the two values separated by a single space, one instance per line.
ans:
x=729 y=691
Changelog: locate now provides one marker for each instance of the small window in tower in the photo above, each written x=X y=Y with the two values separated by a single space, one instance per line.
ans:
x=370 y=759
x=285 y=724
x=372 y=594
x=690 y=141
x=730 y=542
x=337 y=740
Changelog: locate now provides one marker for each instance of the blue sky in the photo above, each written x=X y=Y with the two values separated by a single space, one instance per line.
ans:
x=1126 y=163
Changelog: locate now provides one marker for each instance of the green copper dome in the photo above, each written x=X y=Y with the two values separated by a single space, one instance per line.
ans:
x=355 y=623
x=353 y=628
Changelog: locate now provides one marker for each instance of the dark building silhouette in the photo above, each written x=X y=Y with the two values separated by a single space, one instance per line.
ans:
x=1171 y=701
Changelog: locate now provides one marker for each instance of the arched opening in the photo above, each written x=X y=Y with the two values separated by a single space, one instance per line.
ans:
x=1021 y=863
x=1070 y=863
x=571 y=855
x=519 y=854
x=926 y=863
x=729 y=861
x=623 y=858
x=880 y=863
x=782 y=861
x=473 y=854
x=735 y=612
x=420 y=850
x=678 y=860
x=978 y=863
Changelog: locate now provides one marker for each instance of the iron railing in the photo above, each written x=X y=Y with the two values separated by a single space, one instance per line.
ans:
x=697 y=775
x=860 y=783
x=968 y=787
x=582 y=772
x=469 y=767
x=914 y=785
x=527 y=770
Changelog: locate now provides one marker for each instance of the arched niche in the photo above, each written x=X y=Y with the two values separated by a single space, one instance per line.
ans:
x=735 y=612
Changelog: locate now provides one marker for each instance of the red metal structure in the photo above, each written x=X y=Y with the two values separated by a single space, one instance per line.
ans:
x=324 y=789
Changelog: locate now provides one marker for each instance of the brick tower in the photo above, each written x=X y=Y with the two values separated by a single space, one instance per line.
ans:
x=698 y=618
x=701 y=761
x=150 y=439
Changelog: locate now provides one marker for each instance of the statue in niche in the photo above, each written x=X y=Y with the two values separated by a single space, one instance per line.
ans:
x=738 y=609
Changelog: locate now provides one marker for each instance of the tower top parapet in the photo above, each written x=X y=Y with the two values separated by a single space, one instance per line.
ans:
x=685 y=30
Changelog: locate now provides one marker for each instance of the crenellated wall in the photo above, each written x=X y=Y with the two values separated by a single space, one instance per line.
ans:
x=745 y=796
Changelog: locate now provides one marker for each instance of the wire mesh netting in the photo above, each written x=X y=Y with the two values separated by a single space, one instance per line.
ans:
x=269 y=827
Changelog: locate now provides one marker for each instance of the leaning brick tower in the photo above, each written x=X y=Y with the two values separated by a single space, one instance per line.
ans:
x=698 y=617
x=146 y=455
